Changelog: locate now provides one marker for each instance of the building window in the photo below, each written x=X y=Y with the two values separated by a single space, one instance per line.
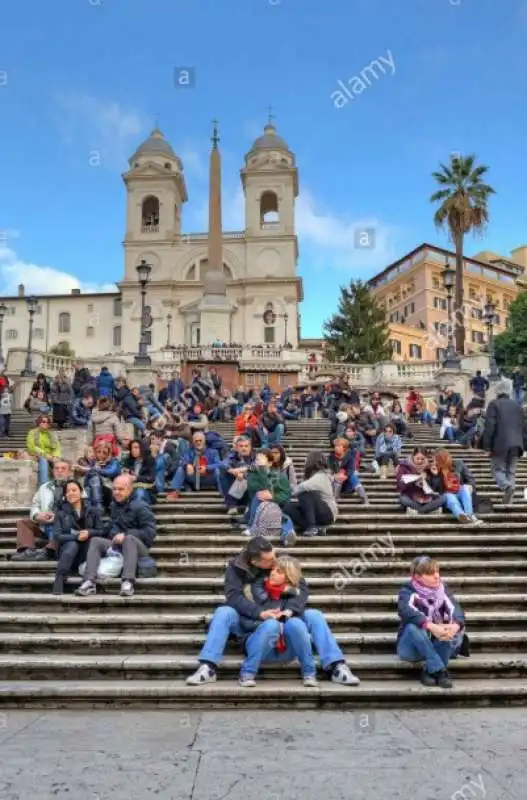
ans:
x=497 y=319
x=441 y=328
x=38 y=333
x=477 y=337
x=150 y=215
x=283 y=380
x=396 y=346
x=440 y=353
x=477 y=313
x=11 y=334
x=269 y=319
x=409 y=309
x=440 y=303
x=415 y=351
x=118 y=307
x=64 y=322
x=436 y=283
x=249 y=379
x=117 y=336
x=269 y=337
x=90 y=332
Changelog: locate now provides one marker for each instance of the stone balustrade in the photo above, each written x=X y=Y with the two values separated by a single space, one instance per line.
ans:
x=18 y=482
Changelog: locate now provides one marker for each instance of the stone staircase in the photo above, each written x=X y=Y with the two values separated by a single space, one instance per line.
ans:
x=106 y=650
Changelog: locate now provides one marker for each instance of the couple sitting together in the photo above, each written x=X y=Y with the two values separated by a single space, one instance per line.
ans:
x=265 y=610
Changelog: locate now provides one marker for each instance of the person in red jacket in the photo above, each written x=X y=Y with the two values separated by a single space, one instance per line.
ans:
x=246 y=422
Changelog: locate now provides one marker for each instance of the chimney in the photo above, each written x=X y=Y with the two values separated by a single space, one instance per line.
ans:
x=75 y=291
x=21 y=290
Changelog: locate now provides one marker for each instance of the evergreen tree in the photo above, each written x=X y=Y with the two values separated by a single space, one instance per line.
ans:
x=511 y=346
x=358 y=331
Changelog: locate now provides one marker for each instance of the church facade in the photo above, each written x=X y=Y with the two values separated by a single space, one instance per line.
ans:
x=259 y=264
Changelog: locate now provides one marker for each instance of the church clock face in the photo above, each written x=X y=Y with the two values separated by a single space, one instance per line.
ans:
x=269 y=317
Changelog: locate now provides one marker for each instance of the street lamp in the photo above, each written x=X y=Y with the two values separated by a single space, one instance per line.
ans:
x=451 y=359
x=169 y=326
x=3 y=312
x=28 y=371
x=286 y=317
x=142 y=359
x=490 y=320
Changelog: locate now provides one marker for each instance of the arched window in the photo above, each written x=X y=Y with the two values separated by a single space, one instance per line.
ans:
x=191 y=273
x=150 y=215
x=269 y=216
x=64 y=322
x=269 y=320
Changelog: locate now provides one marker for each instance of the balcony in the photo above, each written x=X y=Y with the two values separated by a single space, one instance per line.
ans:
x=150 y=229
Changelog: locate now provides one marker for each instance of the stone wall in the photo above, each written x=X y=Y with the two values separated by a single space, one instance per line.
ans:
x=18 y=482
x=73 y=443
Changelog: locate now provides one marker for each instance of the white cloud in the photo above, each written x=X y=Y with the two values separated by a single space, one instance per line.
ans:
x=39 y=280
x=104 y=131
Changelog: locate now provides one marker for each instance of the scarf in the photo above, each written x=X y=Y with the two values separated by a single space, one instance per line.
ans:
x=433 y=602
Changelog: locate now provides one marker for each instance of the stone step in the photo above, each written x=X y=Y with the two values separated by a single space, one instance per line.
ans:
x=153 y=603
x=129 y=643
x=272 y=695
x=128 y=621
x=378 y=668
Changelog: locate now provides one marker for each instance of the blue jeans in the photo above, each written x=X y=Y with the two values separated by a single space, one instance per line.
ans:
x=466 y=438
x=162 y=460
x=272 y=437
x=518 y=395
x=308 y=411
x=415 y=644
x=352 y=482
x=226 y=622
x=180 y=479
x=261 y=646
x=290 y=414
x=143 y=494
x=43 y=470
x=426 y=417
x=251 y=511
x=460 y=503
x=136 y=422
x=450 y=434
x=225 y=481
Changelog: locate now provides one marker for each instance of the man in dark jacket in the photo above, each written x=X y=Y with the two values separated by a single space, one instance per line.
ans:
x=81 y=377
x=130 y=407
x=504 y=438
x=234 y=468
x=131 y=530
x=518 y=386
x=254 y=562
x=105 y=383
x=81 y=411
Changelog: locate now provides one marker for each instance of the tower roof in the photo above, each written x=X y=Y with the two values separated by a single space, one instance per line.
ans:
x=270 y=140
x=156 y=144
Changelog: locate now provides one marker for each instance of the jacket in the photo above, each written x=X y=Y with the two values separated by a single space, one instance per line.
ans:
x=384 y=446
x=211 y=456
x=288 y=469
x=348 y=463
x=110 y=470
x=128 y=403
x=42 y=443
x=105 y=383
x=245 y=421
x=175 y=388
x=260 y=478
x=104 y=423
x=133 y=518
x=49 y=497
x=322 y=483
x=240 y=574
x=505 y=427
x=36 y=406
x=147 y=471
x=410 y=613
x=67 y=523
x=80 y=379
x=292 y=599
x=61 y=393
x=518 y=380
x=6 y=405
x=271 y=421
x=80 y=414
x=411 y=489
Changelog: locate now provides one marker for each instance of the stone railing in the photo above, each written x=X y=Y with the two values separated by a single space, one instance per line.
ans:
x=236 y=353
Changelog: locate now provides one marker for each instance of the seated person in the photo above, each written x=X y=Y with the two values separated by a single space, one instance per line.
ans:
x=198 y=469
x=234 y=468
x=366 y=423
x=357 y=441
x=43 y=445
x=141 y=465
x=272 y=428
x=412 y=399
x=37 y=403
x=247 y=421
x=313 y=506
x=81 y=411
x=76 y=522
x=450 y=424
x=251 y=565
x=444 y=480
x=99 y=477
x=197 y=418
x=167 y=454
x=131 y=529
x=388 y=448
x=432 y=625
x=39 y=524
x=342 y=463
x=268 y=491
x=472 y=423
x=282 y=463
x=216 y=442
x=376 y=409
x=397 y=418
x=415 y=493
x=104 y=425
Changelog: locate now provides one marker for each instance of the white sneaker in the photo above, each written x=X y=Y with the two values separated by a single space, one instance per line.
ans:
x=475 y=520
x=247 y=532
x=247 y=681
x=342 y=674
x=232 y=512
x=310 y=682
x=412 y=512
x=203 y=674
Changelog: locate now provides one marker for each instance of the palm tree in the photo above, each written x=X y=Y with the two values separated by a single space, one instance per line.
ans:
x=463 y=199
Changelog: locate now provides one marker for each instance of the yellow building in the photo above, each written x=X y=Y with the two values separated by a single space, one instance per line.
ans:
x=412 y=292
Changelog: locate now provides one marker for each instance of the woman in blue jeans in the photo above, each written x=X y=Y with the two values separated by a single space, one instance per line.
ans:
x=446 y=481
x=432 y=627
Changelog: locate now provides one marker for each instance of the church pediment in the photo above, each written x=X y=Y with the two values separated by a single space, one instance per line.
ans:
x=148 y=169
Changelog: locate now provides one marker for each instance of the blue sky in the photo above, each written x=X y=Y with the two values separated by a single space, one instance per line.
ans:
x=79 y=77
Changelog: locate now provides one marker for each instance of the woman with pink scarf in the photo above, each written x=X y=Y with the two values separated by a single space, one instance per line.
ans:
x=432 y=625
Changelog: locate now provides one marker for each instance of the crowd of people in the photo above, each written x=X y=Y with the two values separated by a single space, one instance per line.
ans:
x=95 y=517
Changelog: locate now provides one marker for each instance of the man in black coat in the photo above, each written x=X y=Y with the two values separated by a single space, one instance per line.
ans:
x=504 y=438
x=131 y=529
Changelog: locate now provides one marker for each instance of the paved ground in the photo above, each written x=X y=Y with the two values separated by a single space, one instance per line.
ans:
x=422 y=755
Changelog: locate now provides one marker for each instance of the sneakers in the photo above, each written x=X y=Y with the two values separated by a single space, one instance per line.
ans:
x=310 y=681
x=441 y=679
x=127 y=589
x=86 y=589
x=247 y=681
x=508 y=496
x=463 y=518
x=172 y=497
x=232 y=512
x=311 y=532
x=437 y=513
x=204 y=674
x=412 y=512
x=288 y=539
x=25 y=555
x=475 y=520
x=45 y=554
x=247 y=532
x=341 y=673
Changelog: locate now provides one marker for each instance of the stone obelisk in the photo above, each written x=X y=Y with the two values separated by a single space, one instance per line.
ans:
x=215 y=309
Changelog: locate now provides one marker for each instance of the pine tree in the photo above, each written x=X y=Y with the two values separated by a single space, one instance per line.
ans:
x=358 y=331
